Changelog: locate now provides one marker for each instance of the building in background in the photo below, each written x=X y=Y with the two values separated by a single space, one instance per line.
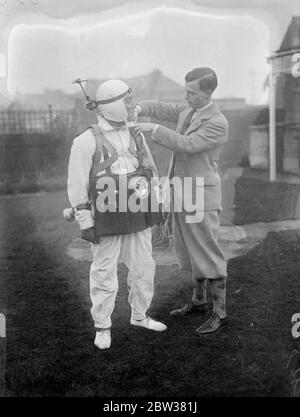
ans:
x=288 y=97
x=152 y=86
x=231 y=103
x=275 y=136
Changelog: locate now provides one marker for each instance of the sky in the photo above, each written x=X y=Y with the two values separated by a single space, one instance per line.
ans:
x=48 y=47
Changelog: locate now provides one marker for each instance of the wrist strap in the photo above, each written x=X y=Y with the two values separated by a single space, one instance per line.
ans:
x=84 y=206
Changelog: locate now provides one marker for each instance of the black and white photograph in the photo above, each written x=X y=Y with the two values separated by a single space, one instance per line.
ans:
x=149 y=201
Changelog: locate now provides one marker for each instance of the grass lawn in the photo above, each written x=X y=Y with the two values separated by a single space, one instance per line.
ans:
x=50 y=333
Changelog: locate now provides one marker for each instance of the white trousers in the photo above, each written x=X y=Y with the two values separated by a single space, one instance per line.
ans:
x=135 y=250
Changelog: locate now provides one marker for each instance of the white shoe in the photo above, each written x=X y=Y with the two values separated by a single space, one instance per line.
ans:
x=150 y=324
x=103 y=339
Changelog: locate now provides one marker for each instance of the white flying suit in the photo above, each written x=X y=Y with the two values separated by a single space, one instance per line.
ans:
x=134 y=249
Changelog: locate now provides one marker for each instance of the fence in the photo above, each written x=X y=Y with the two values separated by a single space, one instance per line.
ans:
x=18 y=122
x=34 y=146
x=21 y=122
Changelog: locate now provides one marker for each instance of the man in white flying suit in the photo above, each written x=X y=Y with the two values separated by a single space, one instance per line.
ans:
x=134 y=249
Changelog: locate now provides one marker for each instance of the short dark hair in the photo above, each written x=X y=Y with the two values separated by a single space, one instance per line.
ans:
x=206 y=76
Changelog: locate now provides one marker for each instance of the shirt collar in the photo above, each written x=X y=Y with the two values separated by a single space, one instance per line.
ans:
x=205 y=107
x=105 y=125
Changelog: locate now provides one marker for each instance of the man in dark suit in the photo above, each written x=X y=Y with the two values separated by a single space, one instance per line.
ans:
x=196 y=144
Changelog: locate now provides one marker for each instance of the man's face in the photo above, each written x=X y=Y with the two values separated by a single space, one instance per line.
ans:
x=194 y=96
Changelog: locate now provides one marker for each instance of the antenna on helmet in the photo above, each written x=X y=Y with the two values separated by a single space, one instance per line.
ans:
x=91 y=104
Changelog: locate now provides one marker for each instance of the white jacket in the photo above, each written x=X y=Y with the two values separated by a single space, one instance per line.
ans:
x=80 y=164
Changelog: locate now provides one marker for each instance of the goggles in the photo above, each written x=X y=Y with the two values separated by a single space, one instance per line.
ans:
x=126 y=95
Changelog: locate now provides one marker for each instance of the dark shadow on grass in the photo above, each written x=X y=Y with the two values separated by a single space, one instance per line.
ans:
x=46 y=321
x=258 y=200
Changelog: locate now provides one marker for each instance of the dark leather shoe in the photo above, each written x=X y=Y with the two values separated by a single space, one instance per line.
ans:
x=212 y=325
x=190 y=308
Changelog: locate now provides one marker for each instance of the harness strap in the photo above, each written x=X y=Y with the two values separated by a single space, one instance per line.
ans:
x=99 y=148
x=132 y=146
x=107 y=163
x=102 y=146
x=140 y=150
x=137 y=144
x=111 y=149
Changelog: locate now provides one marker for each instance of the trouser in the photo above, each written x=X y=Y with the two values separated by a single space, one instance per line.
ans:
x=135 y=250
x=199 y=252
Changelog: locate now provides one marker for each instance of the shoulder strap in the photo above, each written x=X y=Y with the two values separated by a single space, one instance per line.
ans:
x=97 y=132
x=102 y=142
x=102 y=146
x=111 y=149
x=132 y=145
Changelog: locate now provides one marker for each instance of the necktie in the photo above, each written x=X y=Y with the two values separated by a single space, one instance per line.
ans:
x=183 y=130
x=188 y=120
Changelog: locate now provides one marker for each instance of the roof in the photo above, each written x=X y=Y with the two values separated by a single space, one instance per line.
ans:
x=291 y=40
x=154 y=85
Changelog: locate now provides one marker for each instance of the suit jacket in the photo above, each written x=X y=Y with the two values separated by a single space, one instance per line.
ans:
x=198 y=149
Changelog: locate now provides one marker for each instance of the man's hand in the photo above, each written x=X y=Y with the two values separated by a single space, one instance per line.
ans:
x=138 y=128
x=146 y=127
x=89 y=235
